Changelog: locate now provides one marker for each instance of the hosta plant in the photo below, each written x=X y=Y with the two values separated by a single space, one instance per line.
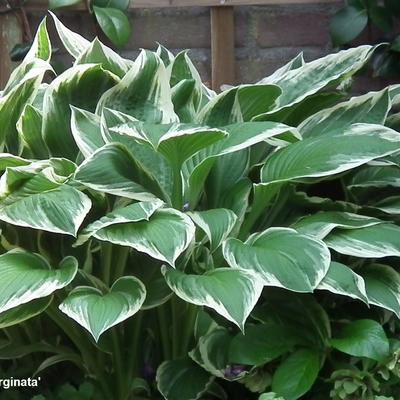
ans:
x=159 y=240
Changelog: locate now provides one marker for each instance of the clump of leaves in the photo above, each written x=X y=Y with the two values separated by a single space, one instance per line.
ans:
x=160 y=240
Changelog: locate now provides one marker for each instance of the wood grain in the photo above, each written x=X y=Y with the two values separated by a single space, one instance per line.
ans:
x=222 y=46
x=42 y=4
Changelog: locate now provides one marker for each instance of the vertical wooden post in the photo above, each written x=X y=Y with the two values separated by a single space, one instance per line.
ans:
x=10 y=35
x=222 y=46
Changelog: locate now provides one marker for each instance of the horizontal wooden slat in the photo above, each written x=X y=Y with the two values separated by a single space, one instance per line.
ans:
x=42 y=4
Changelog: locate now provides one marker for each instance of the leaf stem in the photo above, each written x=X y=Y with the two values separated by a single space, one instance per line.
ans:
x=177 y=190
x=190 y=320
x=105 y=262
x=164 y=329
x=134 y=346
x=263 y=196
x=118 y=365
x=121 y=257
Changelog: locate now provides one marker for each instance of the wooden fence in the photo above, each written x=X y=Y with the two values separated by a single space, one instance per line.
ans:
x=222 y=30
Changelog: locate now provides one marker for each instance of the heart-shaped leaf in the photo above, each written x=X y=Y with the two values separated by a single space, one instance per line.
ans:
x=26 y=277
x=374 y=241
x=164 y=236
x=231 y=293
x=132 y=213
x=282 y=257
x=98 y=312
x=42 y=204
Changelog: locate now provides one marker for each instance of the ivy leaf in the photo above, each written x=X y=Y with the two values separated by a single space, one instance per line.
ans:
x=114 y=23
x=362 y=338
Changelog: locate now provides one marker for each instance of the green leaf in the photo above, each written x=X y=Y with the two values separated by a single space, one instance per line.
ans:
x=12 y=105
x=344 y=281
x=363 y=338
x=42 y=204
x=165 y=236
x=57 y=359
x=24 y=312
x=281 y=257
x=182 y=380
x=85 y=128
x=120 y=4
x=176 y=142
x=328 y=155
x=322 y=223
x=231 y=293
x=29 y=127
x=184 y=100
x=166 y=56
x=143 y=93
x=383 y=286
x=217 y=224
x=187 y=87
x=375 y=177
x=74 y=43
x=375 y=241
x=133 y=213
x=270 y=396
x=98 y=312
x=155 y=163
x=98 y=53
x=261 y=344
x=36 y=59
x=300 y=83
x=295 y=63
x=53 y=4
x=211 y=353
x=371 y=108
x=389 y=205
x=114 y=23
x=241 y=136
x=238 y=104
x=27 y=277
x=80 y=86
x=348 y=23
x=112 y=169
x=9 y=160
x=381 y=17
x=296 y=374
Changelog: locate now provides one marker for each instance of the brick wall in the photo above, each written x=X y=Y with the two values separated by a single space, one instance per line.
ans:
x=266 y=36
